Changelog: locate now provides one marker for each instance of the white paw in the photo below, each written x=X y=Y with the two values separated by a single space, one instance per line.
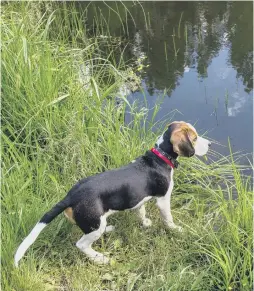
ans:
x=96 y=257
x=174 y=226
x=179 y=228
x=100 y=259
x=109 y=228
x=147 y=222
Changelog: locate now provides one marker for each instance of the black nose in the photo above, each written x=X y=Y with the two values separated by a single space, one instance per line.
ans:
x=209 y=144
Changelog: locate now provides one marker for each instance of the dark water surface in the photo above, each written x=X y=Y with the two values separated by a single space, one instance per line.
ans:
x=200 y=54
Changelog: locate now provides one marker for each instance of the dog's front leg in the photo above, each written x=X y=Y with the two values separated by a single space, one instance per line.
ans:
x=142 y=215
x=165 y=210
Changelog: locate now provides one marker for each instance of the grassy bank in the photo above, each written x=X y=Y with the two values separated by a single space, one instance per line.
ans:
x=58 y=126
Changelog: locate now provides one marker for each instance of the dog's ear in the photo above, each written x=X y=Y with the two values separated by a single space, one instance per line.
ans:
x=180 y=138
x=183 y=146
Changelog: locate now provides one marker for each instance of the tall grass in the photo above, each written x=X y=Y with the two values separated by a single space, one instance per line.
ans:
x=59 y=125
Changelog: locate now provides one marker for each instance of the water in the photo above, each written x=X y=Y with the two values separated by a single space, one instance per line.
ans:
x=200 y=54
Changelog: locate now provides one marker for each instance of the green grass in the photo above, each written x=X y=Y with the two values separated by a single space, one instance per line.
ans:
x=57 y=129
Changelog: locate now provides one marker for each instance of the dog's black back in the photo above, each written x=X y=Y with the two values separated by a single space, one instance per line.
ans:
x=118 y=189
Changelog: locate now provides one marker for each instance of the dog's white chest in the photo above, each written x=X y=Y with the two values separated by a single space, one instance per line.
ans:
x=171 y=184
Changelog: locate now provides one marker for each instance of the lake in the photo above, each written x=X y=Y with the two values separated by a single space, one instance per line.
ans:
x=198 y=55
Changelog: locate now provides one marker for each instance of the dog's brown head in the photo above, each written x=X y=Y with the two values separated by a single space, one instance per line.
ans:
x=183 y=140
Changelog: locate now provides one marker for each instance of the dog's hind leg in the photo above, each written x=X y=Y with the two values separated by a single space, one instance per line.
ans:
x=142 y=215
x=85 y=243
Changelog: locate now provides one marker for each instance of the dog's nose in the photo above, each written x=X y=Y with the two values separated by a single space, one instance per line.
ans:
x=209 y=144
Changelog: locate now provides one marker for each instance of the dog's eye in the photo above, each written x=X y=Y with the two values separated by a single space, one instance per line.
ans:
x=195 y=139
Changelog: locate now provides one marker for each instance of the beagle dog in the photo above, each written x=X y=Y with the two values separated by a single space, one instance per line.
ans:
x=93 y=199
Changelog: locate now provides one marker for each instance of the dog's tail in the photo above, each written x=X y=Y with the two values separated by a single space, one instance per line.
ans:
x=45 y=220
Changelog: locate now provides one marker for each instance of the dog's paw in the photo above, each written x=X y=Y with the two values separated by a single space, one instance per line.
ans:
x=147 y=222
x=100 y=259
x=176 y=227
x=179 y=228
x=109 y=228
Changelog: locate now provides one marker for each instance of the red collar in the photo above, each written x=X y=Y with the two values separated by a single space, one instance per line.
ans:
x=166 y=160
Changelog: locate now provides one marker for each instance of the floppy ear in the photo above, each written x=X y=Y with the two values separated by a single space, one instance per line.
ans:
x=181 y=142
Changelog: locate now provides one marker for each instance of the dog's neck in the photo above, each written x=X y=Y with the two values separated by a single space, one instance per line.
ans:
x=168 y=150
x=164 y=144
x=173 y=163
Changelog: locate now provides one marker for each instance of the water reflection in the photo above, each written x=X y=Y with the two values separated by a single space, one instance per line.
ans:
x=176 y=36
x=205 y=47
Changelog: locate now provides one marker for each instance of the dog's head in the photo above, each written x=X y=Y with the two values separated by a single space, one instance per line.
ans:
x=184 y=140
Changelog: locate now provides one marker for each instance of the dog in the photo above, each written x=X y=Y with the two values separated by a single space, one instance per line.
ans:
x=93 y=199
